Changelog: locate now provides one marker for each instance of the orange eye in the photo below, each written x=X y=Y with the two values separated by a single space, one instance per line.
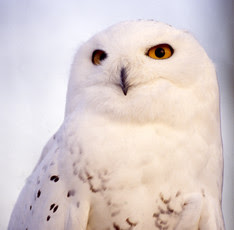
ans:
x=98 y=56
x=161 y=51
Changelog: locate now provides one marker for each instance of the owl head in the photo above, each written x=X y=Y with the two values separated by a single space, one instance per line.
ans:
x=143 y=71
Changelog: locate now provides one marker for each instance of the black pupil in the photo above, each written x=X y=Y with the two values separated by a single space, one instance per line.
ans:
x=103 y=56
x=159 y=52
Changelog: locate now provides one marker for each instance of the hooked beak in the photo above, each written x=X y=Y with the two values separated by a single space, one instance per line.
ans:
x=123 y=81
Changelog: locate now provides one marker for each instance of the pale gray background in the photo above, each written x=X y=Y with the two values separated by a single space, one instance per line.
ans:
x=38 y=39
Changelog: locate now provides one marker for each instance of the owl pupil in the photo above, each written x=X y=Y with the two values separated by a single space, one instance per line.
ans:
x=103 y=56
x=159 y=52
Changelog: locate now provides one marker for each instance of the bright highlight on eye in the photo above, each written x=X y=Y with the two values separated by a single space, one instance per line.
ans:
x=161 y=51
x=98 y=56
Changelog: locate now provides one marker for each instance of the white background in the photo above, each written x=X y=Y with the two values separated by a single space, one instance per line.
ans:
x=38 y=39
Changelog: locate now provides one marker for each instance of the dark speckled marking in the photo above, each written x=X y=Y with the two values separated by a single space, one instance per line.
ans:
x=54 y=178
x=161 y=210
x=48 y=218
x=131 y=223
x=52 y=206
x=178 y=193
x=78 y=204
x=165 y=201
x=75 y=172
x=38 y=180
x=109 y=203
x=89 y=177
x=203 y=193
x=30 y=207
x=86 y=177
x=38 y=193
x=165 y=209
x=162 y=225
x=81 y=176
x=116 y=227
x=91 y=187
x=71 y=193
x=55 y=208
x=169 y=209
x=115 y=213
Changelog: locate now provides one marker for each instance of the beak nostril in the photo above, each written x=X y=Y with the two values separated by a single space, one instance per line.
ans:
x=123 y=82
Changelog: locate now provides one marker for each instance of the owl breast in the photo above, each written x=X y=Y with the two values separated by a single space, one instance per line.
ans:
x=132 y=171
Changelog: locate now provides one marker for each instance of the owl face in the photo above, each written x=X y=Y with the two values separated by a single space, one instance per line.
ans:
x=139 y=70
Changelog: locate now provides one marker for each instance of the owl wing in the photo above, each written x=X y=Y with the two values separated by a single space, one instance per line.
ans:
x=189 y=218
x=51 y=197
x=200 y=213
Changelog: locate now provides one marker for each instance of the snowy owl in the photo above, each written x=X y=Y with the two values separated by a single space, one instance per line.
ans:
x=140 y=146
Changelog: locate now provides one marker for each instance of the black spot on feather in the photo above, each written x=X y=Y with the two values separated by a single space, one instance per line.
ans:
x=71 y=193
x=55 y=208
x=54 y=178
x=116 y=227
x=38 y=193
x=52 y=206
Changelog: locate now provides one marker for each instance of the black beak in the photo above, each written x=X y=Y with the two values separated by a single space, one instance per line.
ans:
x=123 y=81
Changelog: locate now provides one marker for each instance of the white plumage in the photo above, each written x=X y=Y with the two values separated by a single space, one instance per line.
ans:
x=140 y=145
